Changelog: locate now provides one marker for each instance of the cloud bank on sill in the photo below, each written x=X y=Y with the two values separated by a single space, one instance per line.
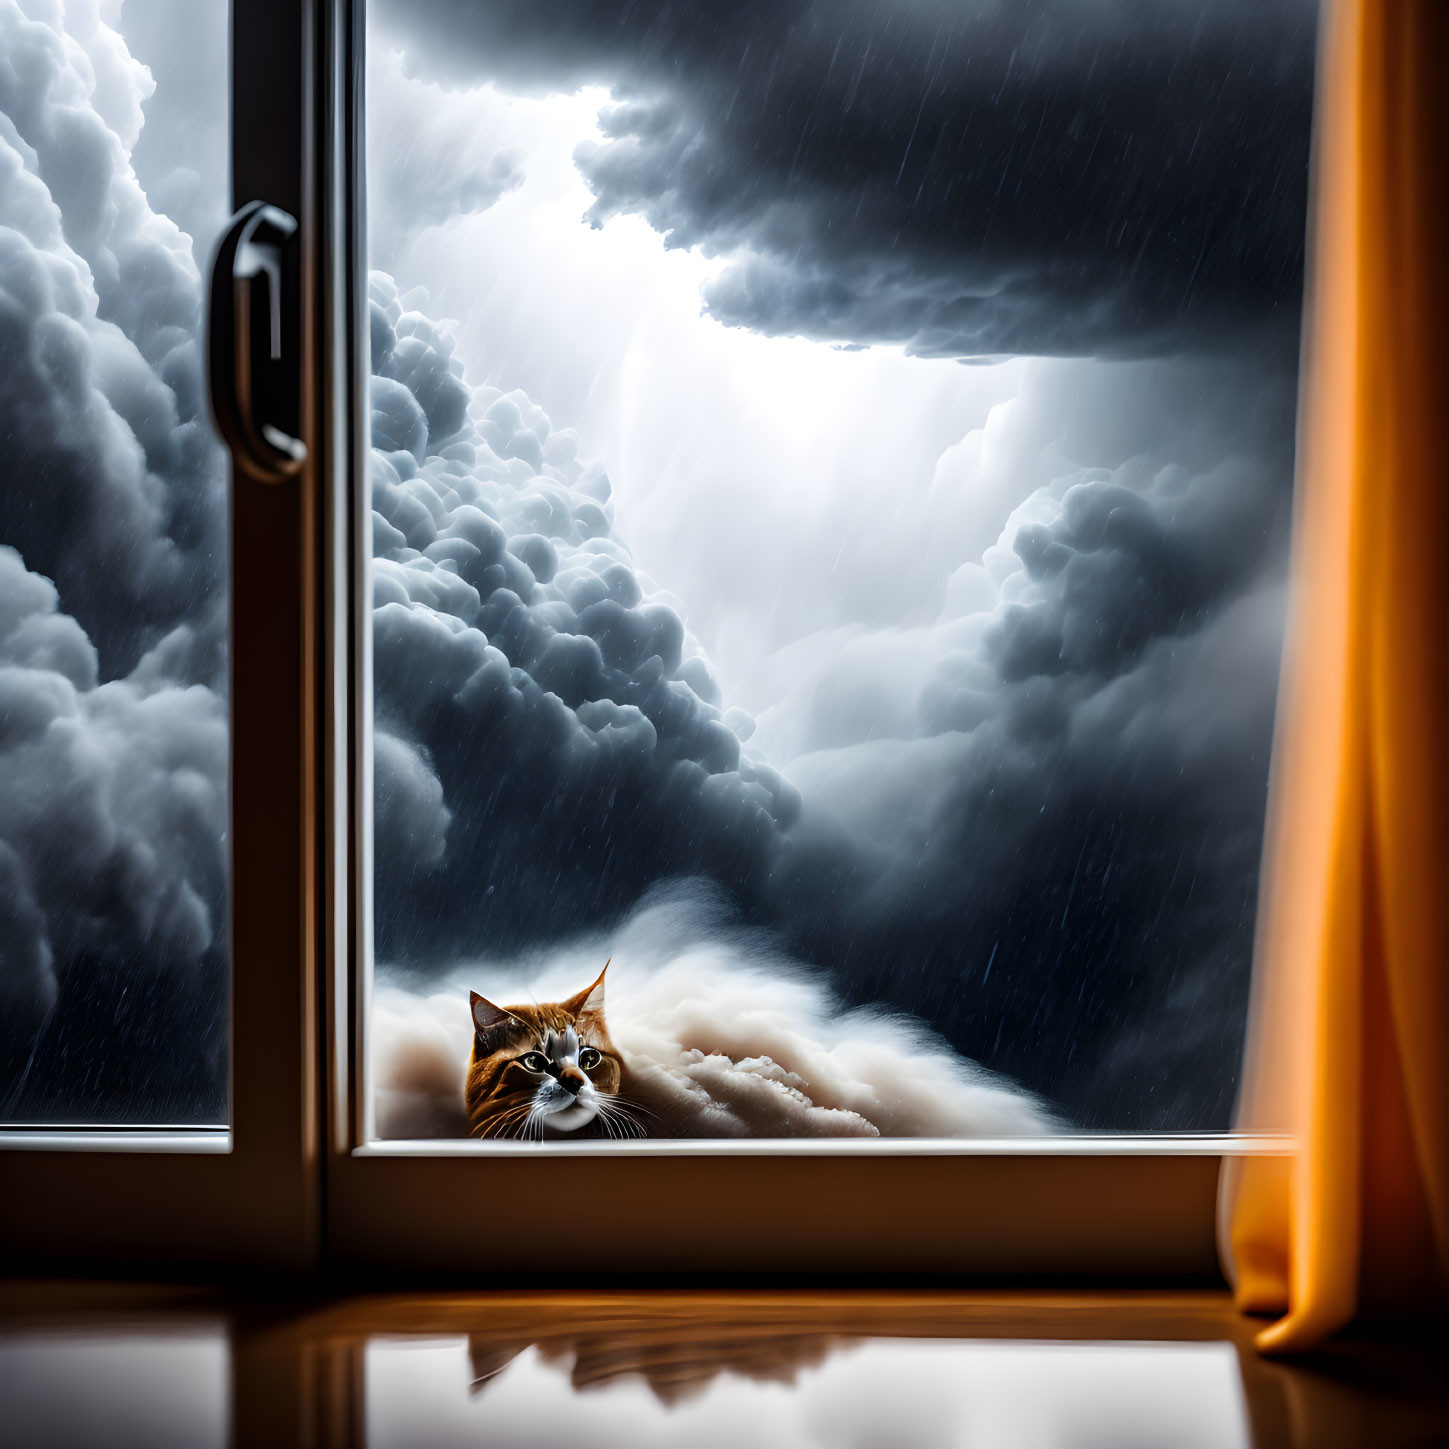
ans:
x=732 y=1038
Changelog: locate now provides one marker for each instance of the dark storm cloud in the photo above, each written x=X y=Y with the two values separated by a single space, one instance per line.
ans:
x=573 y=723
x=1059 y=872
x=1068 y=177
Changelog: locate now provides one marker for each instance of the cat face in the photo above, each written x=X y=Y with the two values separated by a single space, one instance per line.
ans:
x=543 y=1071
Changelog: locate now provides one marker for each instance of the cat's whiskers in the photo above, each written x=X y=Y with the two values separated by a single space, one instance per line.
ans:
x=499 y=1125
x=488 y=1126
x=494 y=1127
x=630 y=1105
x=606 y=1119
x=617 y=1117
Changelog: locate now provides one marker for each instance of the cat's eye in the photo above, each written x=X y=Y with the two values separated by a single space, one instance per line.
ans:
x=535 y=1061
x=589 y=1058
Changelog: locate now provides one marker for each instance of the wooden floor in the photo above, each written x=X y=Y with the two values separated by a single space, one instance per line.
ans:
x=114 y=1364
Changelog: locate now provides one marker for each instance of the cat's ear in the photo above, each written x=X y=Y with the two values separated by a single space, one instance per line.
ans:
x=486 y=1016
x=591 y=999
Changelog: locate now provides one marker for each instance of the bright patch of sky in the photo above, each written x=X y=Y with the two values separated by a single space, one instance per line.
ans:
x=778 y=487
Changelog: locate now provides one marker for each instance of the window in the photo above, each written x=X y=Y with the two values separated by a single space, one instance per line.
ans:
x=113 y=552
x=898 y=728
x=866 y=638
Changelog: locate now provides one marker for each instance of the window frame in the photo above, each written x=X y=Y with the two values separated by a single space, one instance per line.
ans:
x=295 y=1180
x=1101 y=1206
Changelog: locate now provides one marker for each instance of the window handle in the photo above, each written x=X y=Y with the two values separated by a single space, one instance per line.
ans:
x=254 y=343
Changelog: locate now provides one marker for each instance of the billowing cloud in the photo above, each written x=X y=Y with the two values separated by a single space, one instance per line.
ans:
x=1074 y=177
x=571 y=717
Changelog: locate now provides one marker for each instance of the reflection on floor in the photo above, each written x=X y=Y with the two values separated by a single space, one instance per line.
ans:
x=126 y=1365
x=873 y=1391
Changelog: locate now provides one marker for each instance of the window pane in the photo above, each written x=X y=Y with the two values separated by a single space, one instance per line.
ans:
x=113 y=626
x=831 y=484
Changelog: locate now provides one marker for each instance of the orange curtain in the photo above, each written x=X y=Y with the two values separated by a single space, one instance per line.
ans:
x=1348 y=1044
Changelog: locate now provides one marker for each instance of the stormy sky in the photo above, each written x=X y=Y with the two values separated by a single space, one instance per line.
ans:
x=1077 y=177
x=842 y=452
x=997 y=642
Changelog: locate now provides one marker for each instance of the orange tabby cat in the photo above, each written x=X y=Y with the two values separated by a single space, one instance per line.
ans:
x=546 y=1071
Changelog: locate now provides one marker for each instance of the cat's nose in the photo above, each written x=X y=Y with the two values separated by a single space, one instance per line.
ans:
x=572 y=1079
